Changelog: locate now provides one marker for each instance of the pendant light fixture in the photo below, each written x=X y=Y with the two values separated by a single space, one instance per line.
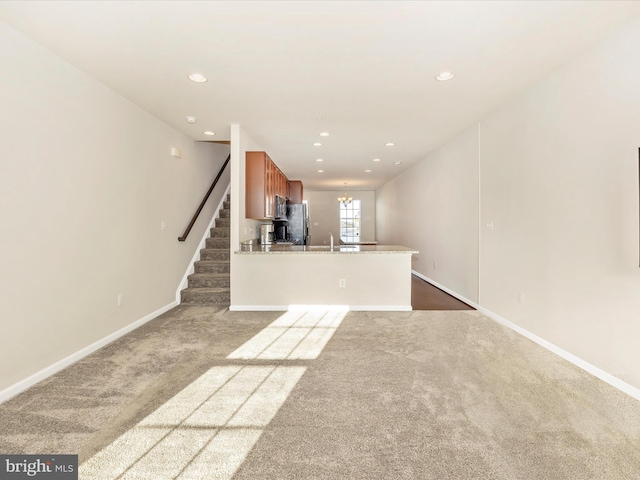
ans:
x=344 y=199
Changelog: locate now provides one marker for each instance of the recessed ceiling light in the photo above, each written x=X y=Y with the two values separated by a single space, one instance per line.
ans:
x=397 y=163
x=367 y=171
x=197 y=77
x=444 y=76
x=320 y=171
x=209 y=132
x=324 y=134
x=191 y=119
x=389 y=144
x=376 y=159
x=317 y=144
x=319 y=160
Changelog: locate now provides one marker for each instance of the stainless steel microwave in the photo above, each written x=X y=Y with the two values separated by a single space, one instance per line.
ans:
x=281 y=207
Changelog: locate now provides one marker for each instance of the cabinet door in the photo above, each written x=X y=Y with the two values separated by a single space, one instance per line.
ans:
x=278 y=173
x=260 y=194
x=255 y=185
x=295 y=191
x=270 y=197
x=280 y=184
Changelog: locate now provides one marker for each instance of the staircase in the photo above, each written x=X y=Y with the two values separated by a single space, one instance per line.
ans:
x=210 y=283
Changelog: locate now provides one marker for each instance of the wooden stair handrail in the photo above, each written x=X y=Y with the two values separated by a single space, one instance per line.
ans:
x=204 y=200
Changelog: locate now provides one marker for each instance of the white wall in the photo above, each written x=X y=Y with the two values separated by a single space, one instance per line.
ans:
x=559 y=176
x=242 y=229
x=324 y=211
x=86 y=178
x=433 y=207
x=373 y=281
x=559 y=182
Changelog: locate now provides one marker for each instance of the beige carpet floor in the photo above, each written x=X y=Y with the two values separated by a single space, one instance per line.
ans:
x=205 y=393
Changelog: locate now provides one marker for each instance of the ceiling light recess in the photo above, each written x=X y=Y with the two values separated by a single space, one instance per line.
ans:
x=191 y=119
x=319 y=160
x=198 y=78
x=367 y=171
x=320 y=171
x=324 y=134
x=397 y=163
x=444 y=76
x=209 y=132
x=389 y=144
x=317 y=144
x=376 y=159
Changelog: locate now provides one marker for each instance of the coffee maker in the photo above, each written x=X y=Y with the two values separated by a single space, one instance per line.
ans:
x=281 y=231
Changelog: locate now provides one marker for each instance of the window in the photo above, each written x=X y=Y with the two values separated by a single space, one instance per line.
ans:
x=350 y=222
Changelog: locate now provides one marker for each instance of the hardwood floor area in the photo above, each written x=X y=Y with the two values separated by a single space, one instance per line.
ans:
x=425 y=296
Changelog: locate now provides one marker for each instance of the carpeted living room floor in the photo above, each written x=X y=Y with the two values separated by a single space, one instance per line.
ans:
x=205 y=393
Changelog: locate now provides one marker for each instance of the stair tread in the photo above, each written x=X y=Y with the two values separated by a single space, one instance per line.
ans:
x=211 y=262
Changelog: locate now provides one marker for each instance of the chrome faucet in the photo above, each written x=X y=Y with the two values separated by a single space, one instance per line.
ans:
x=331 y=235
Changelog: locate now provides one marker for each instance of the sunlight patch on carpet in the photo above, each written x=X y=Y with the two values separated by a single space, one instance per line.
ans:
x=294 y=335
x=208 y=428
x=205 y=431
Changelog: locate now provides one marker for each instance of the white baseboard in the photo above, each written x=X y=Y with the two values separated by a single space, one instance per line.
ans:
x=324 y=308
x=577 y=361
x=184 y=283
x=37 y=377
x=258 y=308
x=381 y=308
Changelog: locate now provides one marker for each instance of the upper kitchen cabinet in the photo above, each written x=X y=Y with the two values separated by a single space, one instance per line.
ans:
x=295 y=191
x=260 y=187
x=281 y=184
x=264 y=180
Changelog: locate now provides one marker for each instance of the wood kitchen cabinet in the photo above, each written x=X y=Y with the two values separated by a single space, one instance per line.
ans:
x=260 y=186
x=295 y=191
x=264 y=180
x=281 y=184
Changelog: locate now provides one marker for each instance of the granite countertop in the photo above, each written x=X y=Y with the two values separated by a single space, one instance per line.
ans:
x=324 y=249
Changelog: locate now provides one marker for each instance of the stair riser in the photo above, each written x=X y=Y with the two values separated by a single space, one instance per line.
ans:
x=225 y=213
x=218 y=243
x=215 y=268
x=200 y=298
x=206 y=254
x=223 y=222
x=226 y=205
x=220 y=232
x=209 y=282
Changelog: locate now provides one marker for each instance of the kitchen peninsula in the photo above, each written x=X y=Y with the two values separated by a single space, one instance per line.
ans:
x=358 y=277
x=272 y=276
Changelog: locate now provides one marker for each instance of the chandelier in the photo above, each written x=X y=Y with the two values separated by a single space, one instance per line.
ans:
x=344 y=199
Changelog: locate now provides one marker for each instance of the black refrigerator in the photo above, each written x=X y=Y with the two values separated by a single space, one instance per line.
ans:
x=298 y=223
